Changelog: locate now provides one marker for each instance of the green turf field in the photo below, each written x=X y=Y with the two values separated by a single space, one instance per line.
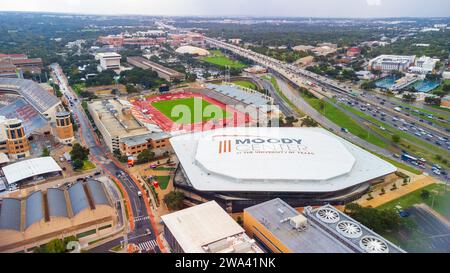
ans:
x=186 y=111
x=247 y=84
x=219 y=59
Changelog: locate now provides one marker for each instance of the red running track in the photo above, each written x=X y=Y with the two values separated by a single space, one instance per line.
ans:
x=153 y=115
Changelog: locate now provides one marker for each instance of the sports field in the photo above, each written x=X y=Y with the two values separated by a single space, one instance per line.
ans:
x=190 y=110
x=219 y=59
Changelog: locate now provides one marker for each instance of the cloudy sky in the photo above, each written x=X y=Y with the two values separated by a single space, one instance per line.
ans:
x=301 y=8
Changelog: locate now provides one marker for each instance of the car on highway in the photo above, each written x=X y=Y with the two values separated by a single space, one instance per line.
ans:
x=436 y=171
x=139 y=193
x=345 y=130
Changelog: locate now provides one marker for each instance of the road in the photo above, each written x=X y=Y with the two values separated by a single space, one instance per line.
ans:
x=324 y=86
x=435 y=231
x=278 y=100
x=99 y=154
x=315 y=82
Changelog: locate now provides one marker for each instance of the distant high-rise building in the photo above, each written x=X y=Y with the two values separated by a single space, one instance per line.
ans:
x=64 y=128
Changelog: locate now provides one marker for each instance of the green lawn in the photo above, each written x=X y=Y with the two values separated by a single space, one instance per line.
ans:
x=341 y=119
x=219 y=59
x=441 y=200
x=78 y=88
x=88 y=165
x=190 y=110
x=247 y=84
x=164 y=169
x=163 y=181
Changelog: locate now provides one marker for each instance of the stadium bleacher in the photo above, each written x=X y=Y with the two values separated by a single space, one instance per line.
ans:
x=19 y=108
x=32 y=92
x=243 y=95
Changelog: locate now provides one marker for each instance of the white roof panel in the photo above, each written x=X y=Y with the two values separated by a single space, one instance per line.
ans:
x=200 y=225
x=275 y=159
x=29 y=168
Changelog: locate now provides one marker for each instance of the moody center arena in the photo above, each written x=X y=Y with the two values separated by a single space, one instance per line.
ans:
x=240 y=167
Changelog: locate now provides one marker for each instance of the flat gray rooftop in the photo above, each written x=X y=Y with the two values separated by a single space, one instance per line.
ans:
x=312 y=240
x=327 y=230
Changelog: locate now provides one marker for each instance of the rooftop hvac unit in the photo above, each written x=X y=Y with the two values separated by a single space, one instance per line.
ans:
x=349 y=229
x=298 y=222
x=242 y=247
x=328 y=215
x=218 y=246
x=372 y=244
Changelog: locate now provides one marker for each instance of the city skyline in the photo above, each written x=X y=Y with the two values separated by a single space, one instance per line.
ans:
x=254 y=8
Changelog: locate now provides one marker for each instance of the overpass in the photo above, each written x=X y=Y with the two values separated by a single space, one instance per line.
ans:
x=297 y=77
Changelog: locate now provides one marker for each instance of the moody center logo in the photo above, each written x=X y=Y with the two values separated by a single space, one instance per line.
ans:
x=262 y=145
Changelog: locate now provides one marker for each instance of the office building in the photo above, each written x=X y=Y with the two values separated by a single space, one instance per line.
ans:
x=389 y=63
x=206 y=228
x=279 y=228
x=163 y=72
x=108 y=60
x=122 y=131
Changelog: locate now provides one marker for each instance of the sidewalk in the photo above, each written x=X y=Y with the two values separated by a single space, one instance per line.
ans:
x=378 y=200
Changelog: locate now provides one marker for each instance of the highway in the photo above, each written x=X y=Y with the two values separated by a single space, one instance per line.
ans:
x=302 y=78
x=435 y=135
x=144 y=231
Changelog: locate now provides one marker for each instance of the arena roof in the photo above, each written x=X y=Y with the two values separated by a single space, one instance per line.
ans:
x=29 y=168
x=37 y=96
x=192 y=50
x=275 y=159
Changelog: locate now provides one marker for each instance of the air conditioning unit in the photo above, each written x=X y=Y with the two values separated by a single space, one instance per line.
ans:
x=298 y=222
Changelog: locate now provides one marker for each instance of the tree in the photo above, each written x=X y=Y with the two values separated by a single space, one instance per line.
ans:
x=378 y=220
x=131 y=88
x=45 y=152
x=424 y=194
x=309 y=122
x=79 y=152
x=77 y=164
x=433 y=100
x=117 y=154
x=395 y=138
x=55 y=246
x=174 y=200
x=145 y=156
x=409 y=97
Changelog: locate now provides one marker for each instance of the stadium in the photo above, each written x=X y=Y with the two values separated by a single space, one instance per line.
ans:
x=240 y=167
x=28 y=101
x=187 y=111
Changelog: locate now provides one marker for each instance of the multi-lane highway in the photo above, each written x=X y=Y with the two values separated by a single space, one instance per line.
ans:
x=141 y=232
x=434 y=135
x=301 y=77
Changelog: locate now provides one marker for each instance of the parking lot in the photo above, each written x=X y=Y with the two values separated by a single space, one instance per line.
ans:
x=433 y=230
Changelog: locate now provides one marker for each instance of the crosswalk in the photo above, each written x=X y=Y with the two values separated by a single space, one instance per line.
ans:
x=147 y=246
x=140 y=218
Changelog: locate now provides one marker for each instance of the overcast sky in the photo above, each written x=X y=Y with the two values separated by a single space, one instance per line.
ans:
x=300 y=8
